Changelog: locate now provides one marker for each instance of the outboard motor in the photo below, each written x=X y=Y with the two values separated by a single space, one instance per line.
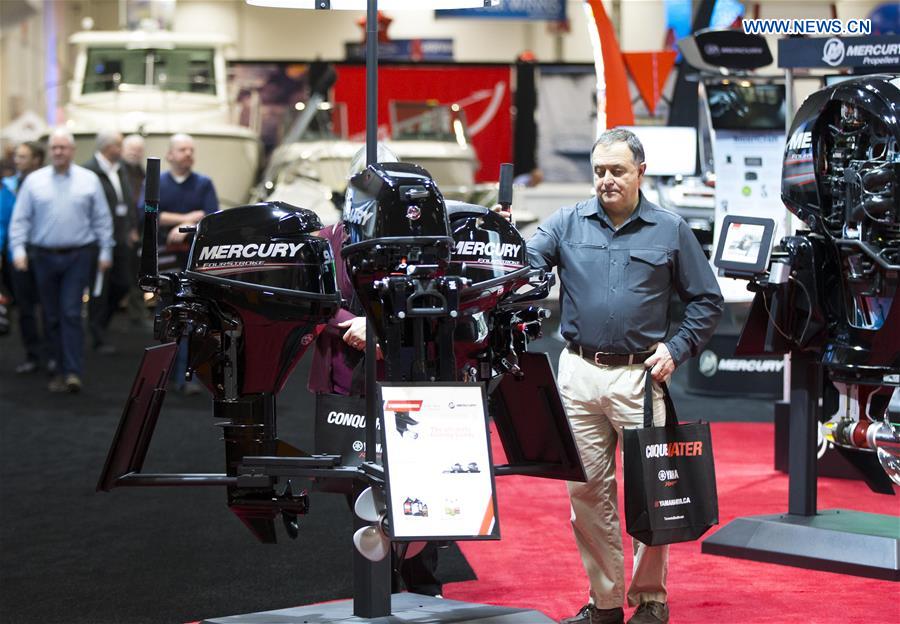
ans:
x=833 y=292
x=496 y=321
x=263 y=275
x=257 y=288
x=397 y=256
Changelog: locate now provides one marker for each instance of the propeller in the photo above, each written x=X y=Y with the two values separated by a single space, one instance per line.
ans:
x=373 y=541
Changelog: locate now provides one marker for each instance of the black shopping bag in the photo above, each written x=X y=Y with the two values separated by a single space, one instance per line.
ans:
x=340 y=428
x=670 y=478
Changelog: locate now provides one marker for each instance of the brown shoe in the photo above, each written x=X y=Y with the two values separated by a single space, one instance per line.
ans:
x=73 y=383
x=590 y=614
x=57 y=384
x=650 y=612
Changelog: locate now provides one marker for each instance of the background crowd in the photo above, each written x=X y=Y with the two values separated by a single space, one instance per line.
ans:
x=69 y=235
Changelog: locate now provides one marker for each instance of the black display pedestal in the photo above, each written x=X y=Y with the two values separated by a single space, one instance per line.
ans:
x=836 y=540
x=846 y=542
x=405 y=608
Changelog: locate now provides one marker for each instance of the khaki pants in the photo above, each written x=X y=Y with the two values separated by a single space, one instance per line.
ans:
x=600 y=401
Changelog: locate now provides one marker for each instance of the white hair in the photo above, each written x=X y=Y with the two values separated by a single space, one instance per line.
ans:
x=106 y=138
x=62 y=132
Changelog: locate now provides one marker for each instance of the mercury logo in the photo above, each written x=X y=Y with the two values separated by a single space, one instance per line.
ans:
x=833 y=52
x=708 y=363
x=711 y=49
x=800 y=141
x=479 y=248
x=360 y=214
x=251 y=250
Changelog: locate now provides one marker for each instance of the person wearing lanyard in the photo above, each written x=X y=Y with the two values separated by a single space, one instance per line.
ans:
x=620 y=259
x=118 y=281
x=63 y=219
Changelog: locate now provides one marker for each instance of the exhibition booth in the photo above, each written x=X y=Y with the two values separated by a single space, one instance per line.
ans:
x=378 y=350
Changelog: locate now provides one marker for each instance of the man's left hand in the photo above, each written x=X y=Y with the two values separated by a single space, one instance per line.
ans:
x=104 y=265
x=661 y=364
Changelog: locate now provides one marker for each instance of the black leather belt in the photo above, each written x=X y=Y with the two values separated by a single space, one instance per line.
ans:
x=61 y=250
x=610 y=359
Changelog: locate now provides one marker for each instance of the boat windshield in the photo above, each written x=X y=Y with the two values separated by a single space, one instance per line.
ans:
x=428 y=121
x=118 y=69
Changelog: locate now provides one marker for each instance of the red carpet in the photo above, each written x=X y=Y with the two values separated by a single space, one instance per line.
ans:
x=536 y=564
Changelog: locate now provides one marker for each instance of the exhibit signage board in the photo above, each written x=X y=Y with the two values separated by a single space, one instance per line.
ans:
x=881 y=52
x=549 y=10
x=437 y=460
x=733 y=49
x=748 y=183
x=717 y=371
x=404 y=50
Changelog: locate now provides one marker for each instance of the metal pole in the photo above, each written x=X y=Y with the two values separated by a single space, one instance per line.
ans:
x=371 y=580
x=372 y=82
x=806 y=391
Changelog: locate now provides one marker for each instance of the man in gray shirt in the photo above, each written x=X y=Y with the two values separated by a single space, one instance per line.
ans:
x=619 y=259
x=61 y=222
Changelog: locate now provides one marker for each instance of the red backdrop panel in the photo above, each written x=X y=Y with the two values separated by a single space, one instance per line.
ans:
x=483 y=93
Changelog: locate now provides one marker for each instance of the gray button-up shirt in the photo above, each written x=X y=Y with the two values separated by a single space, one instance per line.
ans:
x=615 y=284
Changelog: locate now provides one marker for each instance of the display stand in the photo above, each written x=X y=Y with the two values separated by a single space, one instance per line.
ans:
x=847 y=542
x=372 y=599
x=405 y=608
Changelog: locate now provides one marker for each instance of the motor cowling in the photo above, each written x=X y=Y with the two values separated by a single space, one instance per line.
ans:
x=258 y=285
x=495 y=319
x=397 y=226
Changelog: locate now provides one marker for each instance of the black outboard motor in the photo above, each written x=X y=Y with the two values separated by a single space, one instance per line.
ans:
x=842 y=178
x=833 y=292
x=495 y=321
x=397 y=256
x=267 y=272
x=258 y=287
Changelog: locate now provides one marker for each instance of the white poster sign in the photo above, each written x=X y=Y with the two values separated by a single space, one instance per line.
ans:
x=438 y=462
x=748 y=183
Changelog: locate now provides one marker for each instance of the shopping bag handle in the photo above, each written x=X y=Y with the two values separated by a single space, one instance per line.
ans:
x=671 y=416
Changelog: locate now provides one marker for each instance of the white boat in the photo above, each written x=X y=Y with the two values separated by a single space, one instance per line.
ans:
x=158 y=83
x=312 y=170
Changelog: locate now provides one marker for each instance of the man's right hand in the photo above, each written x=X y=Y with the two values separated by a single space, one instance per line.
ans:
x=355 y=336
x=21 y=263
